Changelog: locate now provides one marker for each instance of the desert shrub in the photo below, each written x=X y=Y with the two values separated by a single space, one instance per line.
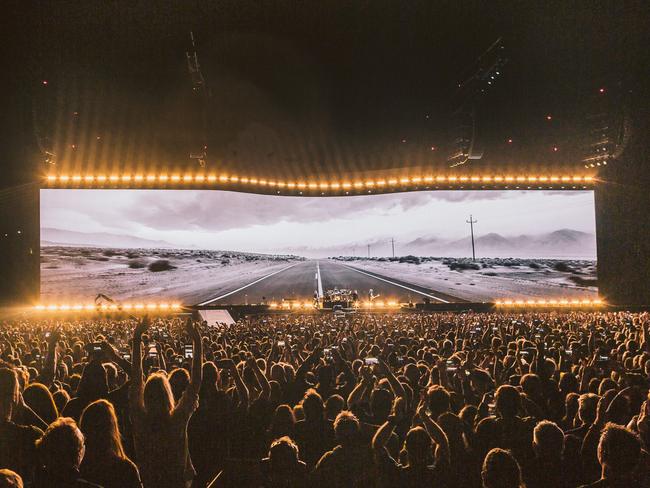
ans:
x=562 y=267
x=137 y=264
x=534 y=265
x=490 y=273
x=109 y=253
x=225 y=262
x=463 y=265
x=161 y=265
x=580 y=281
x=410 y=259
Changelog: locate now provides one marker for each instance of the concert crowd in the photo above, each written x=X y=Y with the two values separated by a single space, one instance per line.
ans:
x=451 y=400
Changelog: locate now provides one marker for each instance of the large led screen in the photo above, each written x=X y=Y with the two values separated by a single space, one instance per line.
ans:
x=220 y=247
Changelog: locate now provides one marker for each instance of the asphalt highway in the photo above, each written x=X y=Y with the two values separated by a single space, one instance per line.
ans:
x=301 y=281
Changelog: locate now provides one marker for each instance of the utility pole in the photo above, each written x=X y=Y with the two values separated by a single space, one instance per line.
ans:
x=368 y=250
x=392 y=242
x=471 y=223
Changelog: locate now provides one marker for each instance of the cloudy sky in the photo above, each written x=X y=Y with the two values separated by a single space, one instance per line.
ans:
x=263 y=223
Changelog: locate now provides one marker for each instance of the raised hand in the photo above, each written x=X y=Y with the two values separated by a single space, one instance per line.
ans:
x=366 y=374
x=109 y=351
x=55 y=336
x=190 y=326
x=141 y=328
x=382 y=368
x=399 y=408
x=421 y=410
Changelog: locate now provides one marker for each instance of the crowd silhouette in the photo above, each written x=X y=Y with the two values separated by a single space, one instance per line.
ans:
x=494 y=400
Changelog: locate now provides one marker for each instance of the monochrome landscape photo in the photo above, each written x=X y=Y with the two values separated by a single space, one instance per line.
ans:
x=176 y=244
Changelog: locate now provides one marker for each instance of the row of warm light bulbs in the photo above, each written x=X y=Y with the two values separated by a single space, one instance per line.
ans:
x=537 y=303
x=308 y=304
x=380 y=304
x=292 y=305
x=302 y=185
x=108 y=307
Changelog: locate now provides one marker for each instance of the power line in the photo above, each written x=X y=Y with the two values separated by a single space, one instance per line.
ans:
x=471 y=223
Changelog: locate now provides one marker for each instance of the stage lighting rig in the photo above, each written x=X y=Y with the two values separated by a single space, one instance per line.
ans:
x=478 y=79
x=200 y=99
x=608 y=126
x=43 y=117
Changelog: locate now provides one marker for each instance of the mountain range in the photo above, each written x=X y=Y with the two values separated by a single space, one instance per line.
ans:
x=60 y=237
x=559 y=243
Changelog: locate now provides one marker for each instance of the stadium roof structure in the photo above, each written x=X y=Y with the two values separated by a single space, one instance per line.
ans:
x=322 y=92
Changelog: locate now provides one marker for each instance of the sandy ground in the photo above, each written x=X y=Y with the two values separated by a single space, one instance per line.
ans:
x=495 y=281
x=74 y=274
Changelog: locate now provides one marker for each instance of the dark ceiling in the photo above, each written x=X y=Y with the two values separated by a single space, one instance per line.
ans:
x=308 y=88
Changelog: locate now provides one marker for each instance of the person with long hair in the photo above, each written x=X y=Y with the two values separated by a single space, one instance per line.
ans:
x=105 y=462
x=160 y=424
x=17 y=442
x=61 y=452
x=40 y=400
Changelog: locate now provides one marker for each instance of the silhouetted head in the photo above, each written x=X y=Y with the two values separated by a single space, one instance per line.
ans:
x=99 y=425
x=283 y=454
x=62 y=447
x=333 y=406
x=39 y=399
x=9 y=479
x=587 y=404
x=94 y=383
x=283 y=418
x=61 y=399
x=568 y=383
x=158 y=398
x=325 y=375
x=438 y=400
x=418 y=447
x=178 y=381
x=346 y=428
x=619 y=451
x=312 y=406
x=531 y=384
x=381 y=401
x=500 y=470
x=8 y=392
x=507 y=401
x=548 y=440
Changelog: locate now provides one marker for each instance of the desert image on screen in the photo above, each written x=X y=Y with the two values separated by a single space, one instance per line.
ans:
x=219 y=247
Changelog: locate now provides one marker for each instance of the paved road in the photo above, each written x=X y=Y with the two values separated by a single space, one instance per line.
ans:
x=300 y=281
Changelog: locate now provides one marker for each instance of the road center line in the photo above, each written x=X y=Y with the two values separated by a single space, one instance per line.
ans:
x=320 y=282
x=395 y=284
x=208 y=302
